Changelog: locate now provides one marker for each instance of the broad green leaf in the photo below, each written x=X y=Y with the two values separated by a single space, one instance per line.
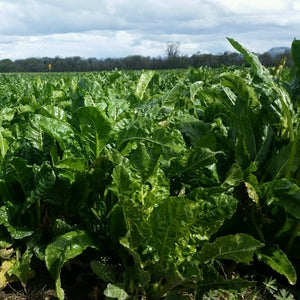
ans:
x=5 y=278
x=103 y=270
x=214 y=207
x=194 y=88
x=95 y=130
x=171 y=222
x=239 y=247
x=18 y=170
x=53 y=112
x=44 y=180
x=22 y=268
x=124 y=182
x=115 y=292
x=144 y=160
x=253 y=60
x=143 y=83
x=7 y=114
x=3 y=145
x=7 y=216
x=62 y=249
x=274 y=257
x=57 y=129
x=196 y=132
x=244 y=90
x=168 y=141
x=72 y=163
x=266 y=145
x=251 y=192
x=170 y=99
x=283 y=193
x=234 y=176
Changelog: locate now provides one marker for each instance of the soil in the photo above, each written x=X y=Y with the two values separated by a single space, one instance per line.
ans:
x=78 y=284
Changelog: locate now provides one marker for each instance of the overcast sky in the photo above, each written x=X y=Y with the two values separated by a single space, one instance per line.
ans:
x=118 y=28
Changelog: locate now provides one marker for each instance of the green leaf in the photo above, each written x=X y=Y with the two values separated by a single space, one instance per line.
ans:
x=234 y=177
x=215 y=206
x=7 y=215
x=57 y=129
x=143 y=83
x=124 y=181
x=3 y=144
x=245 y=91
x=22 y=268
x=103 y=270
x=114 y=291
x=283 y=193
x=62 y=249
x=170 y=99
x=18 y=170
x=145 y=160
x=239 y=247
x=53 y=112
x=253 y=60
x=44 y=180
x=171 y=221
x=95 y=130
x=274 y=257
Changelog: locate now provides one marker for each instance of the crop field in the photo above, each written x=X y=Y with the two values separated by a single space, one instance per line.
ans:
x=178 y=184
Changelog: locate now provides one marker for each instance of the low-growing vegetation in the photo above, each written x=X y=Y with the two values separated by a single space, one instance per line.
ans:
x=181 y=184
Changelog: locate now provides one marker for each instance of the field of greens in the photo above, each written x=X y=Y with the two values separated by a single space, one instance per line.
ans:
x=179 y=184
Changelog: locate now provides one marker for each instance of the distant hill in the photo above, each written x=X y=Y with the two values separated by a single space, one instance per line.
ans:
x=278 y=50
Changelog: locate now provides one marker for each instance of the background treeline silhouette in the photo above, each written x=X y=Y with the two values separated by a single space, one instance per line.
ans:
x=134 y=62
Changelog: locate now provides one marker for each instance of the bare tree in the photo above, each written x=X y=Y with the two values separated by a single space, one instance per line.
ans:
x=172 y=49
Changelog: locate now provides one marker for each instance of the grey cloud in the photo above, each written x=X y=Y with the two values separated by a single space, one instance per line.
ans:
x=114 y=28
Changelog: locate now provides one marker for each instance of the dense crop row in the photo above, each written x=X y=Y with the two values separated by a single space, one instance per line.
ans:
x=167 y=184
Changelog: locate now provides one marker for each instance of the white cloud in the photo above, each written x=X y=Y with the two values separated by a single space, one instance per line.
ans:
x=116 y=28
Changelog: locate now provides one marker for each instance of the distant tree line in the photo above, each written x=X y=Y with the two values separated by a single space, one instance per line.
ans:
x=135 y=62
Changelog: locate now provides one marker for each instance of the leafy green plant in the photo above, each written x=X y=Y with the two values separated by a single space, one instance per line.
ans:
x=179 y=182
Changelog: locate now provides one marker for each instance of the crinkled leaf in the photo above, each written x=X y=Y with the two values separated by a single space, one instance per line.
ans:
x=95 y=129
x=22 y=268
x=143 y=83
x=274 y=257
x=3 y=144
x=115 y=292
x=62 y=249
x=18 y=170
x=53 y=112
x=253 y=60
x=102 y=269
x=170 y=223
x=234 y=177
x=5 y=278
x=145 y=160
x=245 y=91
x=284 y=193
x=215 y=206
x=7 y=214
x=59 y=130
x=170 y=99
x=124 y=183
x=239 y=247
